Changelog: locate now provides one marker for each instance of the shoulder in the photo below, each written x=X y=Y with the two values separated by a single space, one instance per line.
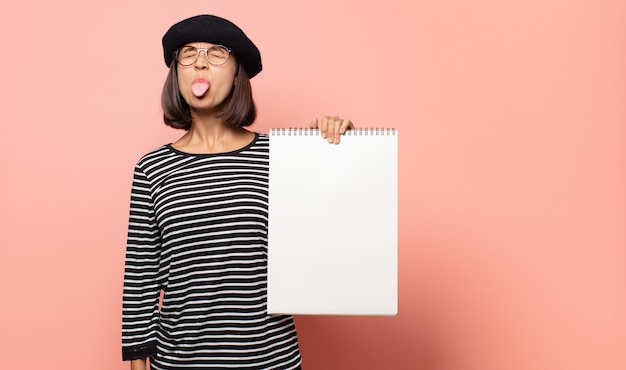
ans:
x=263 y=138
x=260 y=142
x=154 y=156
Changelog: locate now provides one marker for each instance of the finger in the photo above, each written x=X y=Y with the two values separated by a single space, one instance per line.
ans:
x=324 y=127
x=330 y=129
x=337 y=130
x=313 y=124
x=346 y=125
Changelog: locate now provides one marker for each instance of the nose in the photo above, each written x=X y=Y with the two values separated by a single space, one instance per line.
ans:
x=203 y=61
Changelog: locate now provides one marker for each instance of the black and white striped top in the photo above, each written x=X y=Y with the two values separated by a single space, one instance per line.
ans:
x=198 y=230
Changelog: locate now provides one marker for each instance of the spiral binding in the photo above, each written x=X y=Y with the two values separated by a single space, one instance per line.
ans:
x=374 y=131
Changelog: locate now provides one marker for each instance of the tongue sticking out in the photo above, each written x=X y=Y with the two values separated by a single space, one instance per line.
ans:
x=199 y=87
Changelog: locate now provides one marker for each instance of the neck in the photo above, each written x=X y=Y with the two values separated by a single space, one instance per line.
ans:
x=208 y=127
x=209 y=134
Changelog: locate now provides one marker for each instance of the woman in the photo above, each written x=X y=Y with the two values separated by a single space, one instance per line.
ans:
x=198 y=217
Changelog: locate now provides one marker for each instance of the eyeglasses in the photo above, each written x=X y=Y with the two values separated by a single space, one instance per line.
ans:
x=216 y=55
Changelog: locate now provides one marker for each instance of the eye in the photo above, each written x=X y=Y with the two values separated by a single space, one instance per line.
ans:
x=188 y=52
x=218 y=52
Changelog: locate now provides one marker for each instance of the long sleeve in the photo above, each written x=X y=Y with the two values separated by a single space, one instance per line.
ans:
x=140 y=308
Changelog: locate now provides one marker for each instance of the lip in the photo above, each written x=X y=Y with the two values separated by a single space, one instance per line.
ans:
x=200 y=80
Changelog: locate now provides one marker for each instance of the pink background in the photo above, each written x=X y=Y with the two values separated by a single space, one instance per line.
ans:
x=512 y=117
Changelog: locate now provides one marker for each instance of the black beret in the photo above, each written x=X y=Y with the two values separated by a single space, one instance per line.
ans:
x=216 y=30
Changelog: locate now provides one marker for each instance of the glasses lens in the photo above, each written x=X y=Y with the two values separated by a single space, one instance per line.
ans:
x=218 y=55
x=187 y=55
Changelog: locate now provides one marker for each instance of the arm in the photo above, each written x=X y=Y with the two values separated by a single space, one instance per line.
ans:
x=332 y=128
x=138 y=364
x=141 y=275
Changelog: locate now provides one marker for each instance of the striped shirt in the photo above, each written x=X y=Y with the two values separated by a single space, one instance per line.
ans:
x=198 y=232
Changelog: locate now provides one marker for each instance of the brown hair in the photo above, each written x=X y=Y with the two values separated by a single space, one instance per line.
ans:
x=239 y=108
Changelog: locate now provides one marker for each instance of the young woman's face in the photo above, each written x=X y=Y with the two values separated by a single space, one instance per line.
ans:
x=204 y=85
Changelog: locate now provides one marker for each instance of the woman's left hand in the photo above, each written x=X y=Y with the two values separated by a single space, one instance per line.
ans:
x=332 y=128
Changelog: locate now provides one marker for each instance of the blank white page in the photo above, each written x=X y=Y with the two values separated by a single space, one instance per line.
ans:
x=333 y=216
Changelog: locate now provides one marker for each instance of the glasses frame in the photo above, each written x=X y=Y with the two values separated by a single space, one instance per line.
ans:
x=206 y=55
